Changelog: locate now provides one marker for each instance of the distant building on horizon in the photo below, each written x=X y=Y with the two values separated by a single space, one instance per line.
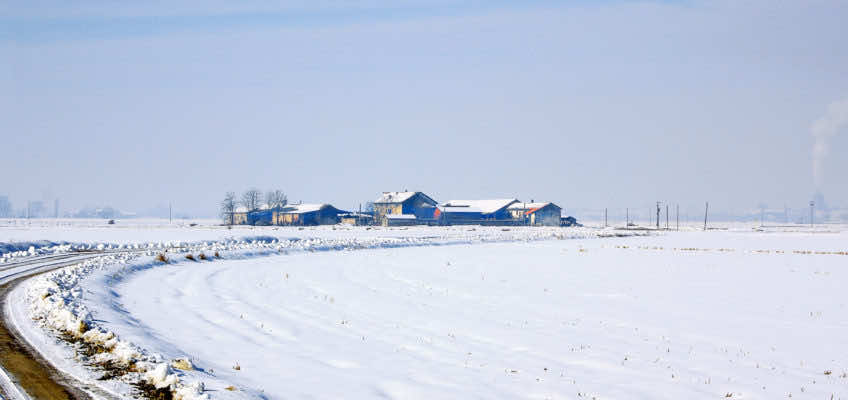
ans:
x=465 y=212
x=537 y=214
x=290 y=214
x=405 y=208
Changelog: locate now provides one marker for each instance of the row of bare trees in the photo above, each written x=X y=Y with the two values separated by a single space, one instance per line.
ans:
x=251 y=199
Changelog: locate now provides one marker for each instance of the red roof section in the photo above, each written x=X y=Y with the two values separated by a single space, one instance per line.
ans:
x=531 y=211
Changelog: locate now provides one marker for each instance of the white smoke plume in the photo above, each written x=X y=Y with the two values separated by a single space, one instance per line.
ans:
x=823 y=130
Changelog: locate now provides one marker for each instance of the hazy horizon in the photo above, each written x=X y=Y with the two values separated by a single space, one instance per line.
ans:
x=590 y=105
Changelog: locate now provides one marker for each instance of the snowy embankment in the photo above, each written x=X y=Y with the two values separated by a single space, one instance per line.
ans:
x=55 y=303
x=689 y=315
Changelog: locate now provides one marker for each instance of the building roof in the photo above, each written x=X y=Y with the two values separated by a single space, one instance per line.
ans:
x=395 y=197
x=400 y=216
x=449 y=209
x=398 y=197
x=530 y=208
x=243 y=209
x=355 y=214
x=483 y=206
x=304 y=208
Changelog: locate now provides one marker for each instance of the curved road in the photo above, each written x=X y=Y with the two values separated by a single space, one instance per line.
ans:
x=24 y=373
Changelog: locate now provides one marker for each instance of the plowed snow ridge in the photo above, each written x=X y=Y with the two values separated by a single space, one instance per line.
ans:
x=56 y=299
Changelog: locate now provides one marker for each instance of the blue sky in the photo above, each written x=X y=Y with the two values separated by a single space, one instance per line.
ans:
x=589 y=104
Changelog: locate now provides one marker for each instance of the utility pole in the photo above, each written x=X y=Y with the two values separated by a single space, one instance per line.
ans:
x=658 y=215
x=170 y=214
x=812 y=207
x=605 y=218
x=627 y=217
x=706 y=211
x=666 y=216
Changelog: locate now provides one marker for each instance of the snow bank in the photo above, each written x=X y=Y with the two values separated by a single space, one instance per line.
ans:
x=55 y=299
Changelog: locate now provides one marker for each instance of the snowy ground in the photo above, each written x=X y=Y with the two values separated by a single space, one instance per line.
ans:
x=683 y=315
x=54 y=303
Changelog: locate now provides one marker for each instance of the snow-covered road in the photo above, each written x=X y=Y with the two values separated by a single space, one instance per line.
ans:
x=28 y=375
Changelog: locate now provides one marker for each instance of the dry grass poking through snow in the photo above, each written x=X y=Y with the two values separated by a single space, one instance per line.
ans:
x=150 y=391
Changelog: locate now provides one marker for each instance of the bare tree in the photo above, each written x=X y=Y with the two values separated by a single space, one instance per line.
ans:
x=228 y=207
x=369 y=206
x=5 y=207
x=276 y=199
x=251 y=199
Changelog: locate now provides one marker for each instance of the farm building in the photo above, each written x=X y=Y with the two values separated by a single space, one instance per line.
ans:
x=401 y=220
x=475 y=211
x=356 y=219
x=239 y=216
x=306 y=214
x=261 y=216
x=570 y=221
x=292 y=214
x=415 y=204
x=537 y=214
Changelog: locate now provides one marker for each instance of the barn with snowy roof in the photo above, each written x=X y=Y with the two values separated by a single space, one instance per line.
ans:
x=306 y=214
x=259 y=216
x=536 y=214
x=405 y=208
x=290 y=214
x=487 y=211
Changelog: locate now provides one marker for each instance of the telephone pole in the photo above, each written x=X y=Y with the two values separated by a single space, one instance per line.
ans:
x=170 y=214
x=606 y=224
x=677 y=216
x=627 y=217
x=658 y=215
x=706 y=211
x=666 y=216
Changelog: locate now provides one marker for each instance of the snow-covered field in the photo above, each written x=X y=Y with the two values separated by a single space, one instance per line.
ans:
x=484 y=313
